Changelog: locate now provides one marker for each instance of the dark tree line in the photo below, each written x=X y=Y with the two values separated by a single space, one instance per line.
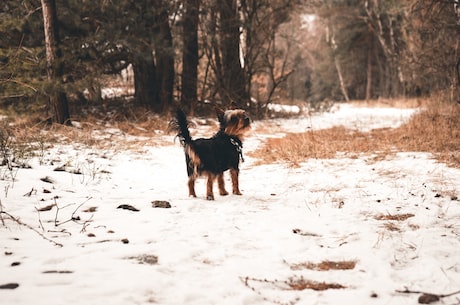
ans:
x=56 y=52
x=183 y=51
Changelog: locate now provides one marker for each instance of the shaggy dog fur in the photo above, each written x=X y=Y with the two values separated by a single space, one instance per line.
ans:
x=211 y=157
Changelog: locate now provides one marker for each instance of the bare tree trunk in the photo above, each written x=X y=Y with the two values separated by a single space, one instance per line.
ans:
x=455 y=75
x=384 y=32
x=164 y=55
x=58 y=99
x=333 y=45
x=190 y=55
x=234 y=82
x=369 y=72
x=342 y=83
x=146 y=93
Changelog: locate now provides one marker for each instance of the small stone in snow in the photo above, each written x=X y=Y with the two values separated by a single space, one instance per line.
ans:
x=428 y=298
x=127 y=207
x=47 y=179
x=161 y=204
x=9 y=286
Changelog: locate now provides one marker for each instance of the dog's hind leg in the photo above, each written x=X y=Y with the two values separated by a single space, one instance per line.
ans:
x=209 y=185
x=221 y=183
x=234 y=175
x=191 y=186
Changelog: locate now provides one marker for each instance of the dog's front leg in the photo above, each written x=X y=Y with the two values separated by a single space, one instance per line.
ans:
x=234 y=175
x=221 y=183
x=209 y=185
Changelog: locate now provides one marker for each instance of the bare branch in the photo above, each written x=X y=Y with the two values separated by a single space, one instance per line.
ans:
x=426 y=297
x=18 y=221
x=73 y=218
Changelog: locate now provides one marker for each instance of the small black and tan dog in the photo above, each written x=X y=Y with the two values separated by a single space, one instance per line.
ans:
x=211 y=157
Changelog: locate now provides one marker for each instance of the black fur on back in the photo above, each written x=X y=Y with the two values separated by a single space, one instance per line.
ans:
x=218 y=153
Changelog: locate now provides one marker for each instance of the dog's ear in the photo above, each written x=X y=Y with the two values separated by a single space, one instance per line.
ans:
x=220 y=114
x=233 y=105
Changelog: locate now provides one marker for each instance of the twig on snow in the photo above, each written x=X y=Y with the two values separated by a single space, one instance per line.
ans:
x=426 y=297
x=63 y=231
x=1 y=212
x=18 y=221
x=72 y=216
x=86 y=224
x=246 y=280
x=40 y=220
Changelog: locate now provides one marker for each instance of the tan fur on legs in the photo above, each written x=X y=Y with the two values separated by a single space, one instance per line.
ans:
x=221 y=184
x=191 y=186
x=234 y=175
x=209 y=185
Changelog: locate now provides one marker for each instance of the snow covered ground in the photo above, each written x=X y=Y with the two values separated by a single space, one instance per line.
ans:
x=395 y=223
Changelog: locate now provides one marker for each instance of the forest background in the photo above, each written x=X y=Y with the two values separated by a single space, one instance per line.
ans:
x=56 y=56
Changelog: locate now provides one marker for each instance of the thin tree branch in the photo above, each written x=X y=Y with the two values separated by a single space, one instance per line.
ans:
x=18 y=221
x=426 y=297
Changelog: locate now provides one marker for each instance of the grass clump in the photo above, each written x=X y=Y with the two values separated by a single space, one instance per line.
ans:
x=100 y=126
x=325 y=265
x=302 y=284
x=396 y=217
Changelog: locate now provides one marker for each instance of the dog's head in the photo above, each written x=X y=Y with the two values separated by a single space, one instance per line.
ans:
x=234 y=122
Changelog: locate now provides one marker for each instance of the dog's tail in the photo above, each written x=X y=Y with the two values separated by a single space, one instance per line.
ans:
x=180 y=125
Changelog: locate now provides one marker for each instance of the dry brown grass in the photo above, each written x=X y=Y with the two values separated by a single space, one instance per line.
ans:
x=325 y=265
x=390 y=225
x=136 y=121
x=396 y=217
x=33 y=132
x=292 y=283
x=302 y=284
x=434 y=130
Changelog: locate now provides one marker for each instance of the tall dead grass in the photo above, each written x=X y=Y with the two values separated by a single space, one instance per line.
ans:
x=434 y=130
x=129 y=119
x=98 y=128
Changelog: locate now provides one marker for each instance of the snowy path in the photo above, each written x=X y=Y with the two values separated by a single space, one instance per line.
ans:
x=397 y=219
